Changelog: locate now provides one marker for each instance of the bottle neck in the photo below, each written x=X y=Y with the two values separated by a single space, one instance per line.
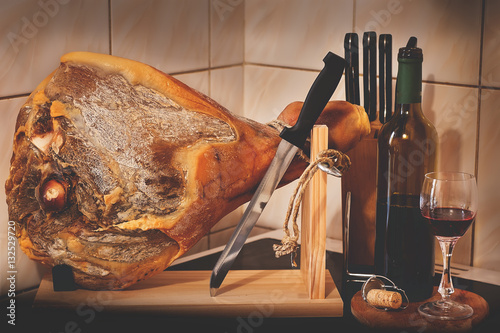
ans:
x=409 y=82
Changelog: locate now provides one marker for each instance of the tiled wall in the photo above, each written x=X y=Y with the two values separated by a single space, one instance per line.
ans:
x=284 y=44
x=285 y=41
x=255 y=57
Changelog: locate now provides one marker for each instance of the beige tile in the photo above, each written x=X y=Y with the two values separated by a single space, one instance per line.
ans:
x=269 y=90
x=275 y=213
x=487 y=228
x=226 y=87
x=228 y=221
x=9 y=110
x=295 y=33
x=448 y=32
x=29 y=272
x=202 y=245
x=491 y=45
x=226 y=32
x=169 y=35
x=196 y=80
x=221 y=238
x=334 y=206
x=453 y=110
x=38 y=33
x=273 y=217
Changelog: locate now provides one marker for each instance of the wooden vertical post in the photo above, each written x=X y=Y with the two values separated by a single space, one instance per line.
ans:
x=313 y=225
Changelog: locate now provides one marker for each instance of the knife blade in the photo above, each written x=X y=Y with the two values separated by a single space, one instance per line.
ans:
x=293 y=139
x=370 y=74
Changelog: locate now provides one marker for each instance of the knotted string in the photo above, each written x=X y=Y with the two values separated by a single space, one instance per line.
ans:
x=329 y=159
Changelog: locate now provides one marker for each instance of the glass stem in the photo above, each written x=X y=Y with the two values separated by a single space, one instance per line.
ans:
x=446 y=285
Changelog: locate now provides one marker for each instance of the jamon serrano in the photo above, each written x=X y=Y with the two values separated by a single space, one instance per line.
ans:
x=118 y=169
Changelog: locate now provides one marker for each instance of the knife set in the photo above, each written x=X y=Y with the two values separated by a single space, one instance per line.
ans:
x=369 y=44
x=359 y=184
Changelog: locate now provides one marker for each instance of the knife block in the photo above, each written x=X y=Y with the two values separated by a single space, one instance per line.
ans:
x=361 y=181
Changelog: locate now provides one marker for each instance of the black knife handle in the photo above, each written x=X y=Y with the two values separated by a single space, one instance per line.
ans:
x=370 y=74
x=385 y=78
x=351 y=49
x=317 y=97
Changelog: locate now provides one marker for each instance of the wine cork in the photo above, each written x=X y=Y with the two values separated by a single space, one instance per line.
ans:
x=384 y=298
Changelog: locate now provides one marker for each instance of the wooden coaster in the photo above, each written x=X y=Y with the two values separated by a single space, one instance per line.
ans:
x=410 y=320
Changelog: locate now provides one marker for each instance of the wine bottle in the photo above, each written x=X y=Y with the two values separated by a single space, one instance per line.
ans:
x=407 y=150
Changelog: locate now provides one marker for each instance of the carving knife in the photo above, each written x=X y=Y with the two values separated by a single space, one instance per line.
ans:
x=293 y=139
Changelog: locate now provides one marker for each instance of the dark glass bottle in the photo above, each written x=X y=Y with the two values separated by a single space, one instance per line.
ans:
x=407 y=150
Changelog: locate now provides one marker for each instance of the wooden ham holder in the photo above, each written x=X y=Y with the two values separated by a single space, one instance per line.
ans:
x=308 y=292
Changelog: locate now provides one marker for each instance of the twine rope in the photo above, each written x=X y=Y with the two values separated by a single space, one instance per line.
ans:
x=329 y=158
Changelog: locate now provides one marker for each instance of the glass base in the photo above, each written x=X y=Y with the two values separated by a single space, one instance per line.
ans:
x=445 y=310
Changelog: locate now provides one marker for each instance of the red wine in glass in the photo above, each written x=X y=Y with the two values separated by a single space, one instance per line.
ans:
x=448 y=201
x=449 y=221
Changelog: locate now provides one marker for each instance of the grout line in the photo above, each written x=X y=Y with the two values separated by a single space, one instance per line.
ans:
x=490 y=87
x=353 y=15
x=244 y=58
x=282 y=67
x=4 y=297
x=478 y=121
x=234 y=226
x=243 y=64
x=209 y=50
x=439 y=266
x=463 y=85
x=110 y=32
x=14 y=96
x=205 y=69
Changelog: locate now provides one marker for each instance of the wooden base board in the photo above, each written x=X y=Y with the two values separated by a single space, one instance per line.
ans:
x=269 y=293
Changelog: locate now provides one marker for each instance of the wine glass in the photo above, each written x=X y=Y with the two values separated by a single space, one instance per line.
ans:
x=448 y=202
